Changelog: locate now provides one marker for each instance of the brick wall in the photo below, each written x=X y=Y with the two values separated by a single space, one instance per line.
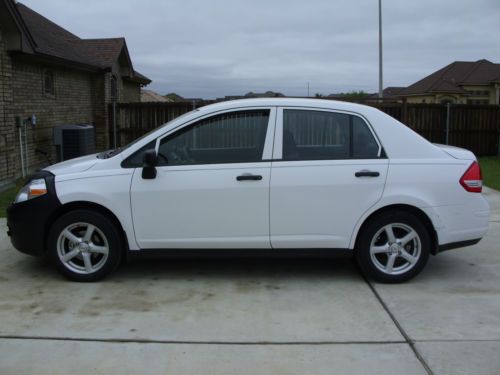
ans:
x=79 y=97
x=72 y=103
x=131 y=92
x=8 y=156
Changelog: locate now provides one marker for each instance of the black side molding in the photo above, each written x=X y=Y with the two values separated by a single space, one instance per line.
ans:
x=456 y=245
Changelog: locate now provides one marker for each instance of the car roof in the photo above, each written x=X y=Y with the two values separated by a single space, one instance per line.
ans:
x=287 y=102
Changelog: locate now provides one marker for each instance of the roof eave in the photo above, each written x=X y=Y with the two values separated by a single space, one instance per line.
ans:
x=41 y=57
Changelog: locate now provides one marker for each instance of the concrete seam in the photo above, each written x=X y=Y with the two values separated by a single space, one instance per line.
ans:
x=191 y=342
x=407 y=338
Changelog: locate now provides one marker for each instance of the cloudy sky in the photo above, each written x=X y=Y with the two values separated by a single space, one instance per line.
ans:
x=200 y=48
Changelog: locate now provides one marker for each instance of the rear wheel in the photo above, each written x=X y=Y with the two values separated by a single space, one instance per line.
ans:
x=393 y=247
x=84 y=245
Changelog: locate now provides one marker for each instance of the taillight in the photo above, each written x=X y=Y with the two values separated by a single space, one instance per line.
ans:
x=472 y=180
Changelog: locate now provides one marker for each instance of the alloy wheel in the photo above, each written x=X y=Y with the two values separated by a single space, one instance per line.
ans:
x=82 y=248
x=395 y=248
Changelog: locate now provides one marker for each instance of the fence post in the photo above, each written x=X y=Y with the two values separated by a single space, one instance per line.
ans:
x=114 y=124
x=448 y=123
x=498 y=151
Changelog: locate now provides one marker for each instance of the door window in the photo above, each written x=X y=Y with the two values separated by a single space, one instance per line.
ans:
x=235 y=137
x=321 y=135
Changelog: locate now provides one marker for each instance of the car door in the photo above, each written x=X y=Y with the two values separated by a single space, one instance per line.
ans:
x=212 y=184
x=328 y=169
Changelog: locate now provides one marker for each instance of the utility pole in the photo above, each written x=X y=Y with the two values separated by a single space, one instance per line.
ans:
x=380 y=78
x=307 y=89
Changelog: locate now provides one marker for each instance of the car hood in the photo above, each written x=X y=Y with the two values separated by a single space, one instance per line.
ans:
x=76 y=165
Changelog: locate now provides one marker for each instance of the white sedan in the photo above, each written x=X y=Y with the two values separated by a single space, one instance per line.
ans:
x=258 y=177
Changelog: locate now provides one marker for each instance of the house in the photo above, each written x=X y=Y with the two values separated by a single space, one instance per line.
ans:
x=267 y=94
x=149 y=96
x=60 y=78
x=464 y=82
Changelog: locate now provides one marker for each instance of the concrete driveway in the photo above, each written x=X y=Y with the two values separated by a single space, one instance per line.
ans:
x=254 y=317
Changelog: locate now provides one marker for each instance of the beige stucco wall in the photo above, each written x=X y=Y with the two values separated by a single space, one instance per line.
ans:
x=492 y=97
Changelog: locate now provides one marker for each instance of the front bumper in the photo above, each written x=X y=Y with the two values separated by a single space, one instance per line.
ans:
x=28 y=221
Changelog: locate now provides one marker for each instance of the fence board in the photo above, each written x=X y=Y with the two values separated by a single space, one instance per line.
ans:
x=475 y=127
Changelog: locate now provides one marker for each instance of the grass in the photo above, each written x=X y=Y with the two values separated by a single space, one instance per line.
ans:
x=7 y=197
x=490 y=166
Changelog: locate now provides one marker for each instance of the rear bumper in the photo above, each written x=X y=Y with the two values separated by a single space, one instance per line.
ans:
x=27 y=222
x=460 y=223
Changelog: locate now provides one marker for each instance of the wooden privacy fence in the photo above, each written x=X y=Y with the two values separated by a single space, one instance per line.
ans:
x=474 y=127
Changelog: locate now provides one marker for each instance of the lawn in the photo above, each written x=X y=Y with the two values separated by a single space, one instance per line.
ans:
x=490 y=166
x=7 y=197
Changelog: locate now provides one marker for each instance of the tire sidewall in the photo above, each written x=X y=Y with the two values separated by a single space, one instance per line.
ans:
x=107 y=227
x=373 y=226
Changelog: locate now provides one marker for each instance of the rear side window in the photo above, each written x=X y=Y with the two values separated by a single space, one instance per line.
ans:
x=235 y=137
x=321 y=135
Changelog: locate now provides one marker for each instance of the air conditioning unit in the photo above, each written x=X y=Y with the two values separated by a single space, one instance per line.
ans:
x=72 y=141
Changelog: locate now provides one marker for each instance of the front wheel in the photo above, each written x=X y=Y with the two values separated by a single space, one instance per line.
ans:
x=84 y=245
x=393 y=247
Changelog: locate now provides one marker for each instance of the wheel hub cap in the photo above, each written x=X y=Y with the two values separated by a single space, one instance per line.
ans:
x=395 y=248
x=83 y=247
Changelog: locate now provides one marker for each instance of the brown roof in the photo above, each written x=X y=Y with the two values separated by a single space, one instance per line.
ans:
x=151 y=96
x=54 y=41
x=452 y=77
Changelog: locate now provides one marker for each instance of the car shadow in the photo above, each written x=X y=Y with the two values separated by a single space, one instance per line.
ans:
x=231 y=268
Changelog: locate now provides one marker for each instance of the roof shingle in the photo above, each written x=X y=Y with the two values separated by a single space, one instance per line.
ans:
x=453 y=76
x=53 y=40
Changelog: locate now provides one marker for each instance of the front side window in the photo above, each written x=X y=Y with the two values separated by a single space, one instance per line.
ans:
x=236 y=137
x=321 y=135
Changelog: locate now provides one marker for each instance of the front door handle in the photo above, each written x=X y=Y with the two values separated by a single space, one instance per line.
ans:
x=249 y=177
x=366 y=173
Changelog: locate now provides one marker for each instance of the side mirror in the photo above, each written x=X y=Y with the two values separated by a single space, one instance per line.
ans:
x=150 y=161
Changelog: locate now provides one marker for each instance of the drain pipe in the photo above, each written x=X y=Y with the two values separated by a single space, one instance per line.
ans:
x=19 y=124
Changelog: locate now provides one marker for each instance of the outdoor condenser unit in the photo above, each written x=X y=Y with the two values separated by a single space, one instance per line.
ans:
x=72 y=141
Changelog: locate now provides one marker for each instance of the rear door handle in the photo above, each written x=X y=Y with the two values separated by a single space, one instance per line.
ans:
x=249 y=177
x=366 y=173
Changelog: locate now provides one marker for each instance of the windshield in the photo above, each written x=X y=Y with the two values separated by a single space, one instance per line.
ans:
x=110 y=153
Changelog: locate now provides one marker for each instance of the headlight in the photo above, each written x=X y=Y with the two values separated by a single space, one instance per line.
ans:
x=33 y=189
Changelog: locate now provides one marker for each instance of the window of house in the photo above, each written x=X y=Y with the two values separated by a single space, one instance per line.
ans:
x=235 y=137
x=321 y=135
x=113 y=88
x=477 y=101
x=48 y=82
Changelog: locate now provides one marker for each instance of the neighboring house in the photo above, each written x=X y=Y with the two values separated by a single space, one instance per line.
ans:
x=149 y=96
x=175 y=97
x=47 y=71
x=464 y=82
x=267 y=94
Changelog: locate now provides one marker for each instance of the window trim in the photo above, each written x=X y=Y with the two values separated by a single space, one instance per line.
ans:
x=51 y=94
x=278 y=137
x=268 y=141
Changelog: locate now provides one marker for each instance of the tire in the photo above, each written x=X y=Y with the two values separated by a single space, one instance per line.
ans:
x=84 y=245
x=396 y=257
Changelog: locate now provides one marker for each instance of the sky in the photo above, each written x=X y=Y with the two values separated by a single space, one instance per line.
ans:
x=209 y=49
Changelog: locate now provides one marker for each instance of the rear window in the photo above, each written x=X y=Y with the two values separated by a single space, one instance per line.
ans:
x=321 y=135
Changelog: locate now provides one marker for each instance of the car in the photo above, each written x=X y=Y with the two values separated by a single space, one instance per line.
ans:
x=258 y=177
